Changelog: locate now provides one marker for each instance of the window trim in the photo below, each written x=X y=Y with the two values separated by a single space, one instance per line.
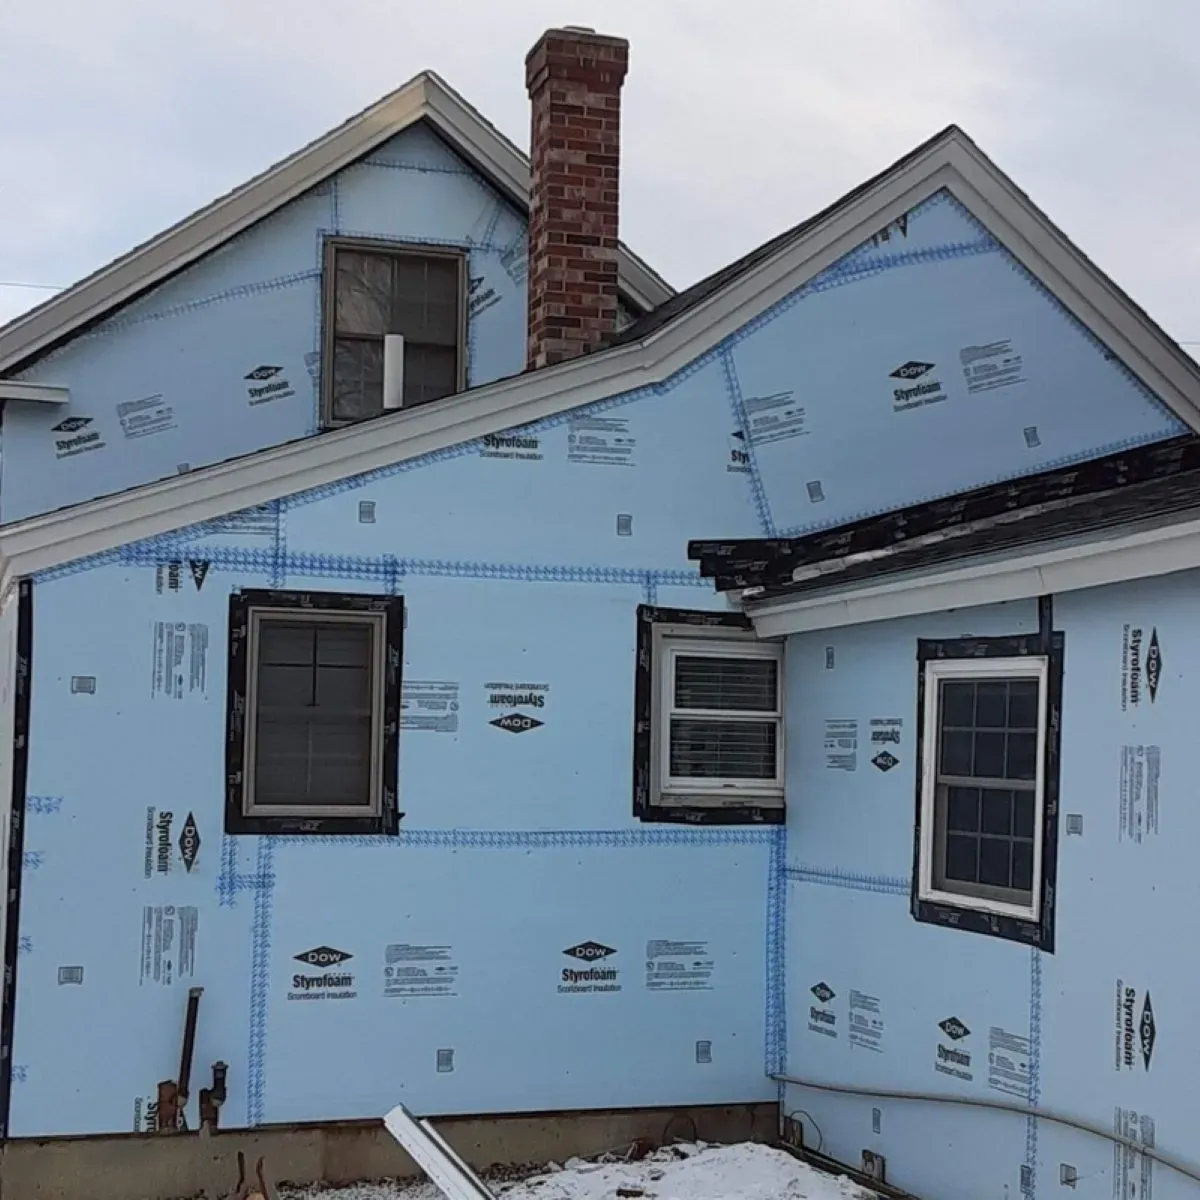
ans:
x=714 y=633
x=247 y=609
x=1035 y=656
x=394 y=249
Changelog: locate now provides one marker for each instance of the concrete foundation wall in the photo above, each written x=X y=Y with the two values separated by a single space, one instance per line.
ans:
x=171 y=1167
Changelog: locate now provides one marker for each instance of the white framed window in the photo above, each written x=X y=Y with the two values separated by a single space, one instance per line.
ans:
x=982 y=801
x=313 y=719
x=716 y=718
x=314 y=737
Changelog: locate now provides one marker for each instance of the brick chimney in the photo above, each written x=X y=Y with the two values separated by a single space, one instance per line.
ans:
x=574 y=77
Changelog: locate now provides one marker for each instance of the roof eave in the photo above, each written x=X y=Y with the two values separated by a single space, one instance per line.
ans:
x=1140 y=552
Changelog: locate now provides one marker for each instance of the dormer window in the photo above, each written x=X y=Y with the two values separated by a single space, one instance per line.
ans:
x=373 y=289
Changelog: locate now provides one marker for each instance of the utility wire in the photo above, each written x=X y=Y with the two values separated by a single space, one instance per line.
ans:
x=37 y=287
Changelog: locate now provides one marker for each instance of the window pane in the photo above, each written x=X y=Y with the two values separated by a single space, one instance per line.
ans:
x=286 y=687
x=364 y=293
x=1022 y=870
x=956 y=753
x=962 y=858
x=1023 y=704
x=989 y=755
x=425 y=301
x=994 y=858
x=344 y=644
x=722 y=749
x=312 y=761
x=991 y=704
x=962 y=809
x=729 y=684
x=1022 y=756
x=958 y=705
x=1023 y=814
x=286 y=642
x=997 y=811
x=357 y=379
x=430 y=372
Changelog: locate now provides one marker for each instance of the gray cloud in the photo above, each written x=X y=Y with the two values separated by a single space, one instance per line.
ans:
x=740 y=119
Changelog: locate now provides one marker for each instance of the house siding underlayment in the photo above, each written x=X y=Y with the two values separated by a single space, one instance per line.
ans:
x=1045 y=1030
x=521 y=559
x=173 y=380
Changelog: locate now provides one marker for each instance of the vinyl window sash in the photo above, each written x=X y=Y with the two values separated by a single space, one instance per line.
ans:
x=376 y=622
x=715 y=647
x=981 y=897
x=330 y=334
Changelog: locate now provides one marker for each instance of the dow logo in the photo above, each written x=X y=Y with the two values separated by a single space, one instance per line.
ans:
x=72 y=424
x=954 y=1029
x=823 y=992
x=189 y=842
x=912 y=370
x=516 y=723
x=322 y=956
x=263 y=372
x=589 y=951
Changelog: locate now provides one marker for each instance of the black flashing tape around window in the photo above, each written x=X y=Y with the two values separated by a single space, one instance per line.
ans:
x=644 y=809
x=22 y=691
x=1045 y=642
x=387 y=821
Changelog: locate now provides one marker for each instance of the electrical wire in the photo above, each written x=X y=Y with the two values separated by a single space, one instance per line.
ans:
x=1189 y=1172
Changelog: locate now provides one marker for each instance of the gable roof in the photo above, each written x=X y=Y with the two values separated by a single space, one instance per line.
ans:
x=427 y=97
x=950 y=161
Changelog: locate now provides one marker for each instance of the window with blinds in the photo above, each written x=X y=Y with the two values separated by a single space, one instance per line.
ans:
x=721 y=721
x=315 y=713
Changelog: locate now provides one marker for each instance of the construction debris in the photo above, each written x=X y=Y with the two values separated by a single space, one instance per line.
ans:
x=689 y=1171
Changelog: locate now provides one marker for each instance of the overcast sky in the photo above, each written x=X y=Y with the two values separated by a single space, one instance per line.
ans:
x=740 y=118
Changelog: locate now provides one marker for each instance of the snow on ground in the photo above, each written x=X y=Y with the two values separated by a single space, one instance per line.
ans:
x=746 y=1171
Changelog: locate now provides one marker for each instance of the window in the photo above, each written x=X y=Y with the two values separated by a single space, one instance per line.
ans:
x=987 y=803
x=314 y=682
x=709 y=724
x=373 y=289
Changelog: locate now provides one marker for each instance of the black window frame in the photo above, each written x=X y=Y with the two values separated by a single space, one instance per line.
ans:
x=651 y=620
x=966 y=913
x=333 y=245
x=242 y=605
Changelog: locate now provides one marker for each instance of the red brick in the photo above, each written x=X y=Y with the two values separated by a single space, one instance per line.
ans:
x=574 y=81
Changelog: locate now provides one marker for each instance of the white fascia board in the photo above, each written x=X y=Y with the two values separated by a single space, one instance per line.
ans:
x=1136 y=554
x=426 y=96
x=204 y=231
x=33 y=393
x=1078 y=284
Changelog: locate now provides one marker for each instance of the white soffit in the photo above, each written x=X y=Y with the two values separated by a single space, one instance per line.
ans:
x=950 y=161
x=427 y=96
x=1138 y=553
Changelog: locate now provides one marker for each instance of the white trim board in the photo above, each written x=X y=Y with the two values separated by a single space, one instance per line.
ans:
x=1135 y=553
x=950 y=161
x=33 y=393
x=425 y=97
